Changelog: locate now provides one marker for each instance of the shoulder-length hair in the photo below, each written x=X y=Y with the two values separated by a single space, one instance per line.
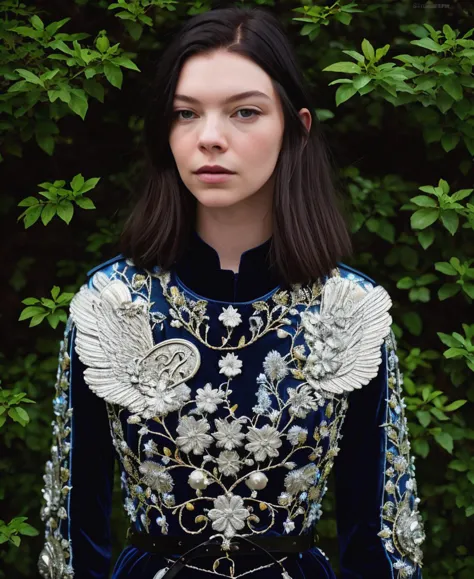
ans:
x=310 y=234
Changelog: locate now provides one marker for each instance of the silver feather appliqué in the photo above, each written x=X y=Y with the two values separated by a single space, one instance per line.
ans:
x=124 y=366
x=345 y=336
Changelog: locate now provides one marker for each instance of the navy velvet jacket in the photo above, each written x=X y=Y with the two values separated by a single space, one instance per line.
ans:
x=228 y=399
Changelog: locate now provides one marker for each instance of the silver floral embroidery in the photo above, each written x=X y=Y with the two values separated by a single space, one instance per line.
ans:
x=228 y=515
x=115 y=341
x=344 y=355
x=403 y=528
x=55 y=558
x=148 y=469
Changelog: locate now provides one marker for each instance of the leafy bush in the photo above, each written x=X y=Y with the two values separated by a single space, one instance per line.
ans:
x=401 y=122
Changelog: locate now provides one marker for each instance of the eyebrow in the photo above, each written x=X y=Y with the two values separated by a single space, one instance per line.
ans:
x=235 y=97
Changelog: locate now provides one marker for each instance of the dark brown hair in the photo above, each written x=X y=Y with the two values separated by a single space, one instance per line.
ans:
x=310 y=234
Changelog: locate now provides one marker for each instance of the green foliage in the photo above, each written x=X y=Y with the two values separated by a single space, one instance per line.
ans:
x=51 y=310
x=58 y=201
x=408 y=119
x=58 y=81
x=10 y=405
x=16 y=527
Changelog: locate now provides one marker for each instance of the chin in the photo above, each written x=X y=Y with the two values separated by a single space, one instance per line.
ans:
x=217 y=198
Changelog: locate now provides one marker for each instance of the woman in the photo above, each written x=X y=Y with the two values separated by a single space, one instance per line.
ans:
x=227 y=357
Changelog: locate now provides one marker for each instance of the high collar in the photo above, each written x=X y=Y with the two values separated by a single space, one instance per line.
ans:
x=199 y=269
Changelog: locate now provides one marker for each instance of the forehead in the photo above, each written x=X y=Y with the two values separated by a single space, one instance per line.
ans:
x=216 y=76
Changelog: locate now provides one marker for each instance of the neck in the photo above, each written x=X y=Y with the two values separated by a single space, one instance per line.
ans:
x=233 y=230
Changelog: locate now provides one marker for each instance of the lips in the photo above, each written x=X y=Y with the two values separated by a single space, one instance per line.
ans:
x=214 y=170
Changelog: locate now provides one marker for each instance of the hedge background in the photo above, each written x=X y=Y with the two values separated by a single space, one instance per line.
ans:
x=394 y=88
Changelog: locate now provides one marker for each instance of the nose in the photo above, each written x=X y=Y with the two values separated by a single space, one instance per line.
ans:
x=212 y=134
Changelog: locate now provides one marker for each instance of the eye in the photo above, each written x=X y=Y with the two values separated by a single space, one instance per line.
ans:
x=258 y=113
x=176 y=114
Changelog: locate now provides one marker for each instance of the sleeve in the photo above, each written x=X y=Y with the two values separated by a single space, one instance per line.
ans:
x=380 y=529
x=78 y=478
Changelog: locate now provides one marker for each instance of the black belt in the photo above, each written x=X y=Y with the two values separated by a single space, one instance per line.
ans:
x=191 y=546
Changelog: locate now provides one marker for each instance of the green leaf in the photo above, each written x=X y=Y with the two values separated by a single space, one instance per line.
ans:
x=424 y=201
x=405 y=283
x=85 y=203
x=126 y=63
x=356 y=55
x=30 y=301
x=458 y=465
x=449 y=141
x=28 y=202
x=421 y=447
x=49 y=211
x=89 y=184
x=23 y=415
x=445 y=440
x=361 y=81
x=439 y=414
x=32 y=215
x=29 y=312
x=424 y=218
x=78 y=105
x=461 y=194
x=413 y=322
x=94 y=89
x=28 y=530
x=77 y=182
x=36 y=320
x=454 y=405
x=424 y=417
x=448 y=290
x=344 y=93
x=37 y=22
x=426 y=238
x=445 y=267
x=65 y=211
x=450 y=220
x=448 y=340
x=29 y=76
x=55 y=292
x=368 y=50
x=427 y=43
x=113 y=74
x=349 y=67
x=452 y=85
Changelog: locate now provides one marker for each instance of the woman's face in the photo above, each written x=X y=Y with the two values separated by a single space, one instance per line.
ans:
x=243 y=134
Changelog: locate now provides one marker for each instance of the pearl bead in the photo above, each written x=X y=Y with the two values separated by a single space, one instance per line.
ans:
x=198 y=480
x=257 y=481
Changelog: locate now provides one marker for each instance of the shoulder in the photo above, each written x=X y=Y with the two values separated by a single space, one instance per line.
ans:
x=108 y=267
x=355 y=275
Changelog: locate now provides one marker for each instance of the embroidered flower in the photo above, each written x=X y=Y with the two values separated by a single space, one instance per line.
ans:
x=255 y=324
x=166 y=399
x=193 y=435
x=228 y=462
x=264 y=400
x=288 y=526
x=230 y=317
x=301 y=401
x=228 y=515
x=297 y=435
x=228 y=434
x=156 y=477
x=275 y=366
x=130 y=509
x=263 y=442
x=230 y=365
x=208 y=398
x=150 y=448
x=300 y=479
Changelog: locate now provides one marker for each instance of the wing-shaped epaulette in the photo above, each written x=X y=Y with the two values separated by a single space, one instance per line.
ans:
x=105 y=264
x=364 y=276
